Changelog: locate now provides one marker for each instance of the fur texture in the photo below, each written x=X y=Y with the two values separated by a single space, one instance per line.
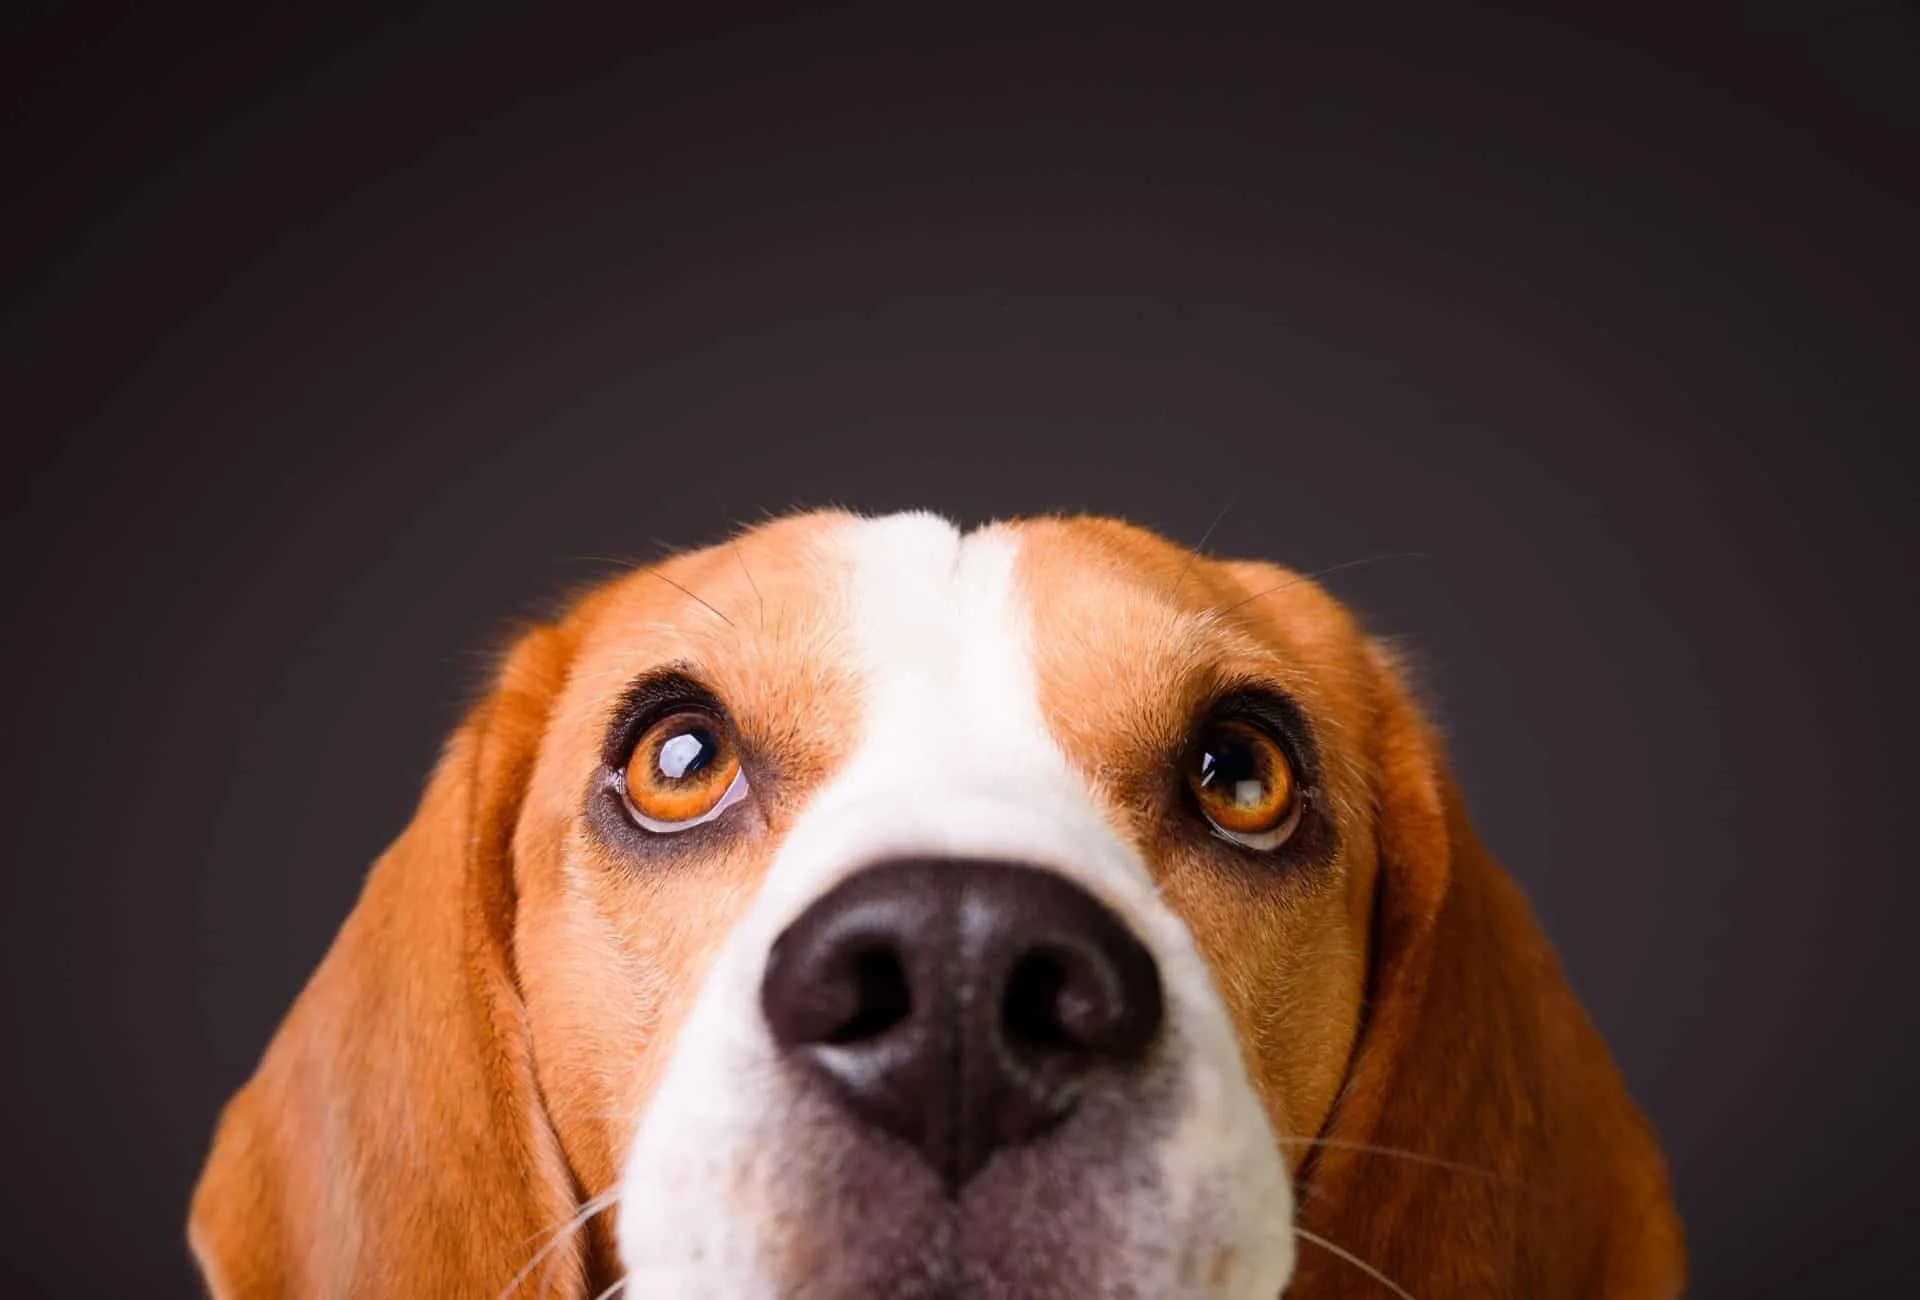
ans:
x=531 y=1008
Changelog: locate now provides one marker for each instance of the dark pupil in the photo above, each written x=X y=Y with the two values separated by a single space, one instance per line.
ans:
x=685 y=753
x=1226 y=763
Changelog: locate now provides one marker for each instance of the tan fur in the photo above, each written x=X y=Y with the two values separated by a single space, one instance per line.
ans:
x=393 y=1141
x=1402 y=1002
x=466 y=1066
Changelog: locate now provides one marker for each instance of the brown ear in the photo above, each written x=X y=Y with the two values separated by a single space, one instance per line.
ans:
x=391 y=1141
x=1537 y=1176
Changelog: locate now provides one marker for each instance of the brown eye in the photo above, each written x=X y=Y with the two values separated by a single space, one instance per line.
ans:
x=683 y=772
x=1244 y=784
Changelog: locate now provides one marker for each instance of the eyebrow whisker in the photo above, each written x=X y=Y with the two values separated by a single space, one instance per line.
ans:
x=1200 y=546
x=741 y=556
x=1316 y=574
x=655 y=573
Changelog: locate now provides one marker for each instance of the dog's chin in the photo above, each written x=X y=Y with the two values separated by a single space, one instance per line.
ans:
x=836 y=1212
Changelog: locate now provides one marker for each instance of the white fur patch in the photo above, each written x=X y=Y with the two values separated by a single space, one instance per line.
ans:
x=954 y=758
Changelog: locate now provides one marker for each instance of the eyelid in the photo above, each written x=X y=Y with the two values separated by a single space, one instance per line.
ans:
x=651 y=698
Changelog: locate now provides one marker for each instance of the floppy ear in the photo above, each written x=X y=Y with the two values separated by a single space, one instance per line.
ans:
x=1541 y=1178
x=392 y=1141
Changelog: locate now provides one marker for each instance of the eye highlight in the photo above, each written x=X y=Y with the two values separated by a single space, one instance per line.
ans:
x=683 y=772
x=1244 y=784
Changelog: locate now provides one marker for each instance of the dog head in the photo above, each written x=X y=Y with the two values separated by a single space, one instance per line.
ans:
x=861 y=908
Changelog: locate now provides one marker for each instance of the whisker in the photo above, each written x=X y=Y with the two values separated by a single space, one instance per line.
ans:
x=613 y=1290
x=1200 y=546
x=655 y=573
x=629 y=562
x=741 y=556
x=559 y=1233
x=1354 y=1260
x=1317 y=574
x=1398 y=1153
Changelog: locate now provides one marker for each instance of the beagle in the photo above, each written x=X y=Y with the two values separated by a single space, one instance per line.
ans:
x=865 y=908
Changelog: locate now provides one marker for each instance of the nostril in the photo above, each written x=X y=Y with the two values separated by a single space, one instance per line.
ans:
x=882 y=996
x=1069 y=1006
x=1046 y=1008
x=836 y=985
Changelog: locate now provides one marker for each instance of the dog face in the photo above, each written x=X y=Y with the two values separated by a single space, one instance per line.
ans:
x=867 y=909
x=888 y=693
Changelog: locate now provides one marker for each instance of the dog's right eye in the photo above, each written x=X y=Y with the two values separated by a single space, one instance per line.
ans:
x=684 y=772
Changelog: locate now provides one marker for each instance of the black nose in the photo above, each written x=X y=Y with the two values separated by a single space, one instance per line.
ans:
x=961 y=1006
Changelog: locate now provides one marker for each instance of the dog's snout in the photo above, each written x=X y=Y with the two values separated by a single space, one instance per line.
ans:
x=961 y=1006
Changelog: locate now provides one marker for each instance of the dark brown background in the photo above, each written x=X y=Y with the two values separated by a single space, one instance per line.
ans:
x=335 y=340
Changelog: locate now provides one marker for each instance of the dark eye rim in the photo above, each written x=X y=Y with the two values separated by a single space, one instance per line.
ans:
x=652 y=699
x=1280 y=719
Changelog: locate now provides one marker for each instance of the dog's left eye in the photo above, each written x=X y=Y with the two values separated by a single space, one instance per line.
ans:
x=683 y=772
x=1244 y=785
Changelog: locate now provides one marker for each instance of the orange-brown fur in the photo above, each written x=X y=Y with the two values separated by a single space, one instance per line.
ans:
x=1405 y=1003
x=465 y=1067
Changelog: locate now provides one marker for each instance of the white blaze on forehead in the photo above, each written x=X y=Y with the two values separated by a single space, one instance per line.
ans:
x=943 y=647
x=953 y=755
